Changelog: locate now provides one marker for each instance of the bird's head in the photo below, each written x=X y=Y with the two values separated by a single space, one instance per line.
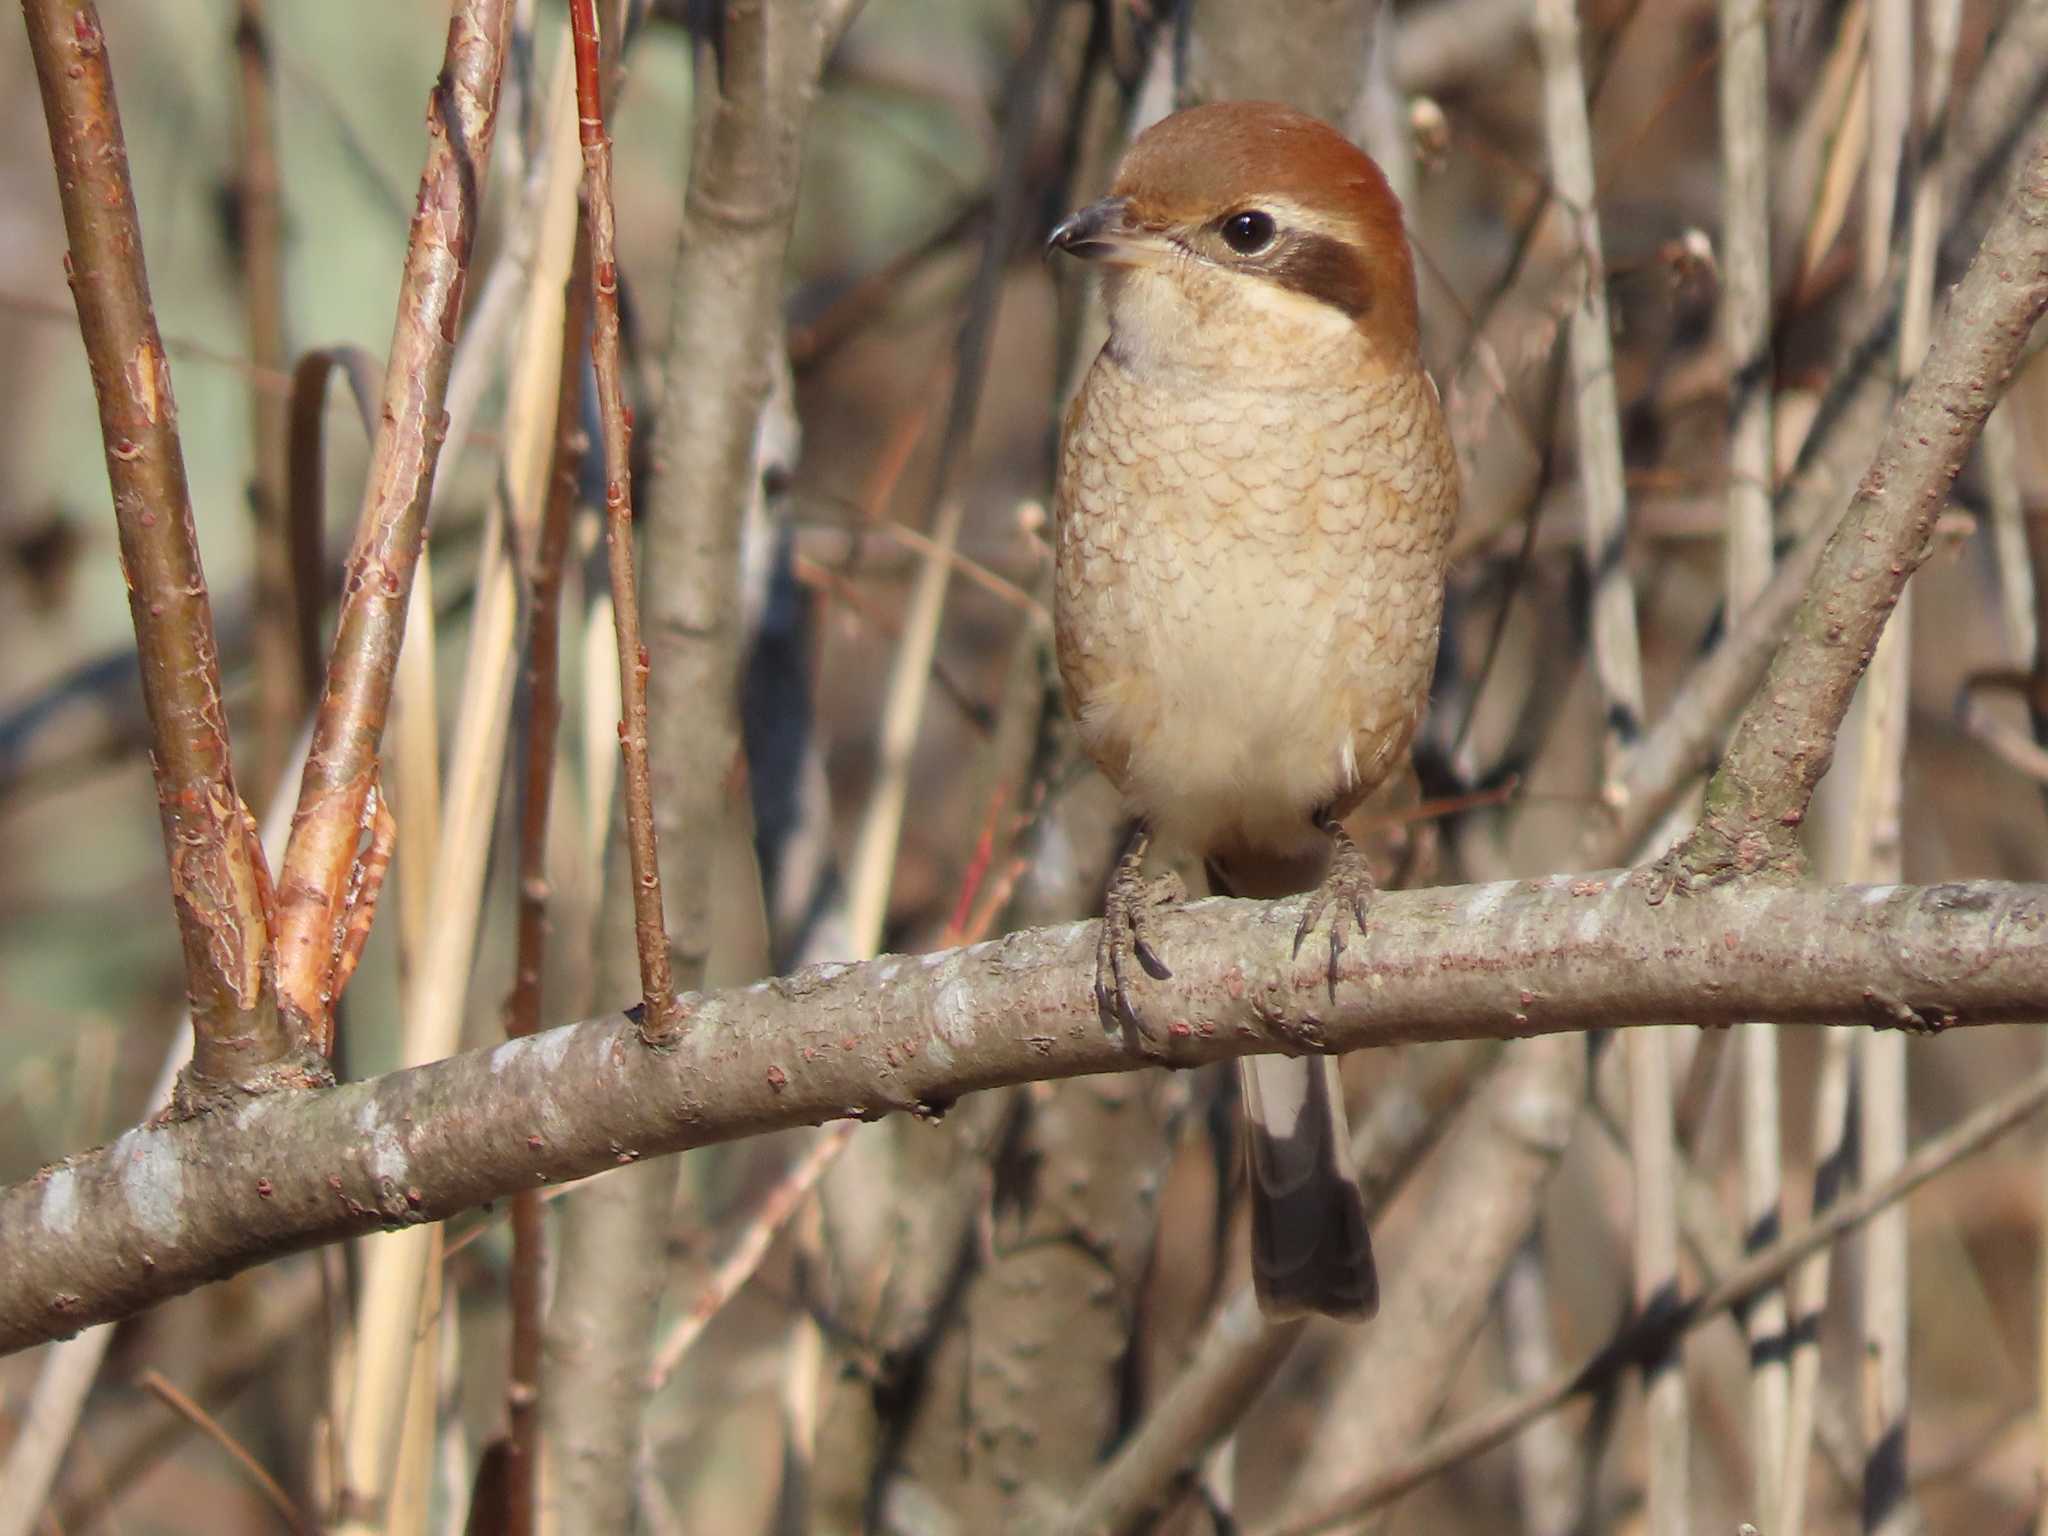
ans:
x=1244 y=235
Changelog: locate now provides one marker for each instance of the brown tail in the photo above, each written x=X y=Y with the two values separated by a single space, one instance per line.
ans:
x=1311 y=1251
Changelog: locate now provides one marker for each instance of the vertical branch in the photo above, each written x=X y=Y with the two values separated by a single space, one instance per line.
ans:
x=522 y=1012
x=260 y=204
x=1746 y=338
x=219 y=881
x=1891 y=116
x=401 y=1272
x=1763 y=1201
x=750 y=106
x=1878 y=802
x=342 y=766
x=1746 y=296
x=660 y=1022
x=1552 y=1458
x=1617 y=662
x=1809 y=1282
x=1616 y=654
x=1881 y=1081
x=1653 y=1160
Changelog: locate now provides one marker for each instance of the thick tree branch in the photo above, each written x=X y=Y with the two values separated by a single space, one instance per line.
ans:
x=1786 y=739
x=219 y=882
x=168 y=1207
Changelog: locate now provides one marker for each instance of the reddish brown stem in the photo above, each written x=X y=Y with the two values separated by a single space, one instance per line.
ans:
x=216 y=864
x=522 y=1011
x=660 y=1021
x=279 y=698
x=342 y=765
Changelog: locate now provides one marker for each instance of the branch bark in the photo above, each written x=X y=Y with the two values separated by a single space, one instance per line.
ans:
x=219 y=881
x=650 y=927
x=314 y=889
x=167 y=1207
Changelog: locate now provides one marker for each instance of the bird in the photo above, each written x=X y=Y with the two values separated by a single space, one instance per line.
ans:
x=1254 y=499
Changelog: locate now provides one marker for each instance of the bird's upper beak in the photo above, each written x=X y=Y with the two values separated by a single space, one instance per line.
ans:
x=1104 y=231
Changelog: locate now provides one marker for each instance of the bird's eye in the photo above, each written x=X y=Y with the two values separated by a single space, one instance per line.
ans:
x=1249 y=232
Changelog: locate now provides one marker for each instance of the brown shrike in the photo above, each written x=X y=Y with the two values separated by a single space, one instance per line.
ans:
x=1256 y=489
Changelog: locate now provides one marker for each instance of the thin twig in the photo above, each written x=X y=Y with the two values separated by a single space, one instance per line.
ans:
x=660 y=1021
x=713 y=440
x=748 y=1248
x=1648 y=1335
x=1809 y=1280
x=220 y=884
x=522 y=1011
x=340 y=771
x=127 y=1446
x=1653 y=1165
x=273 y=1493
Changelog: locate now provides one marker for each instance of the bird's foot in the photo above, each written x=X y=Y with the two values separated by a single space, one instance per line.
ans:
x=1129 y=899
x=1345 y=894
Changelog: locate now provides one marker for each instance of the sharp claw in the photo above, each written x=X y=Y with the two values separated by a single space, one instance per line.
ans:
x=1123 y=938
x=1345 y=894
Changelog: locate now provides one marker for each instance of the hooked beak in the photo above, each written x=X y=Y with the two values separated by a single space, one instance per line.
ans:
x=1103 y=231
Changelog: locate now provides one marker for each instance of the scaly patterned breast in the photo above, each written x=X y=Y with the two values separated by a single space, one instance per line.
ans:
x=1249 y=586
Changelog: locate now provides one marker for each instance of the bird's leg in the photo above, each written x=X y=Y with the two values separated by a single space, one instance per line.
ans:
x=1345 y=893
x=1129 y=897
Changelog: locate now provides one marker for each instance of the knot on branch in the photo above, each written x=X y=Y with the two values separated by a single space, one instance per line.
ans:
x=198 y=1094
